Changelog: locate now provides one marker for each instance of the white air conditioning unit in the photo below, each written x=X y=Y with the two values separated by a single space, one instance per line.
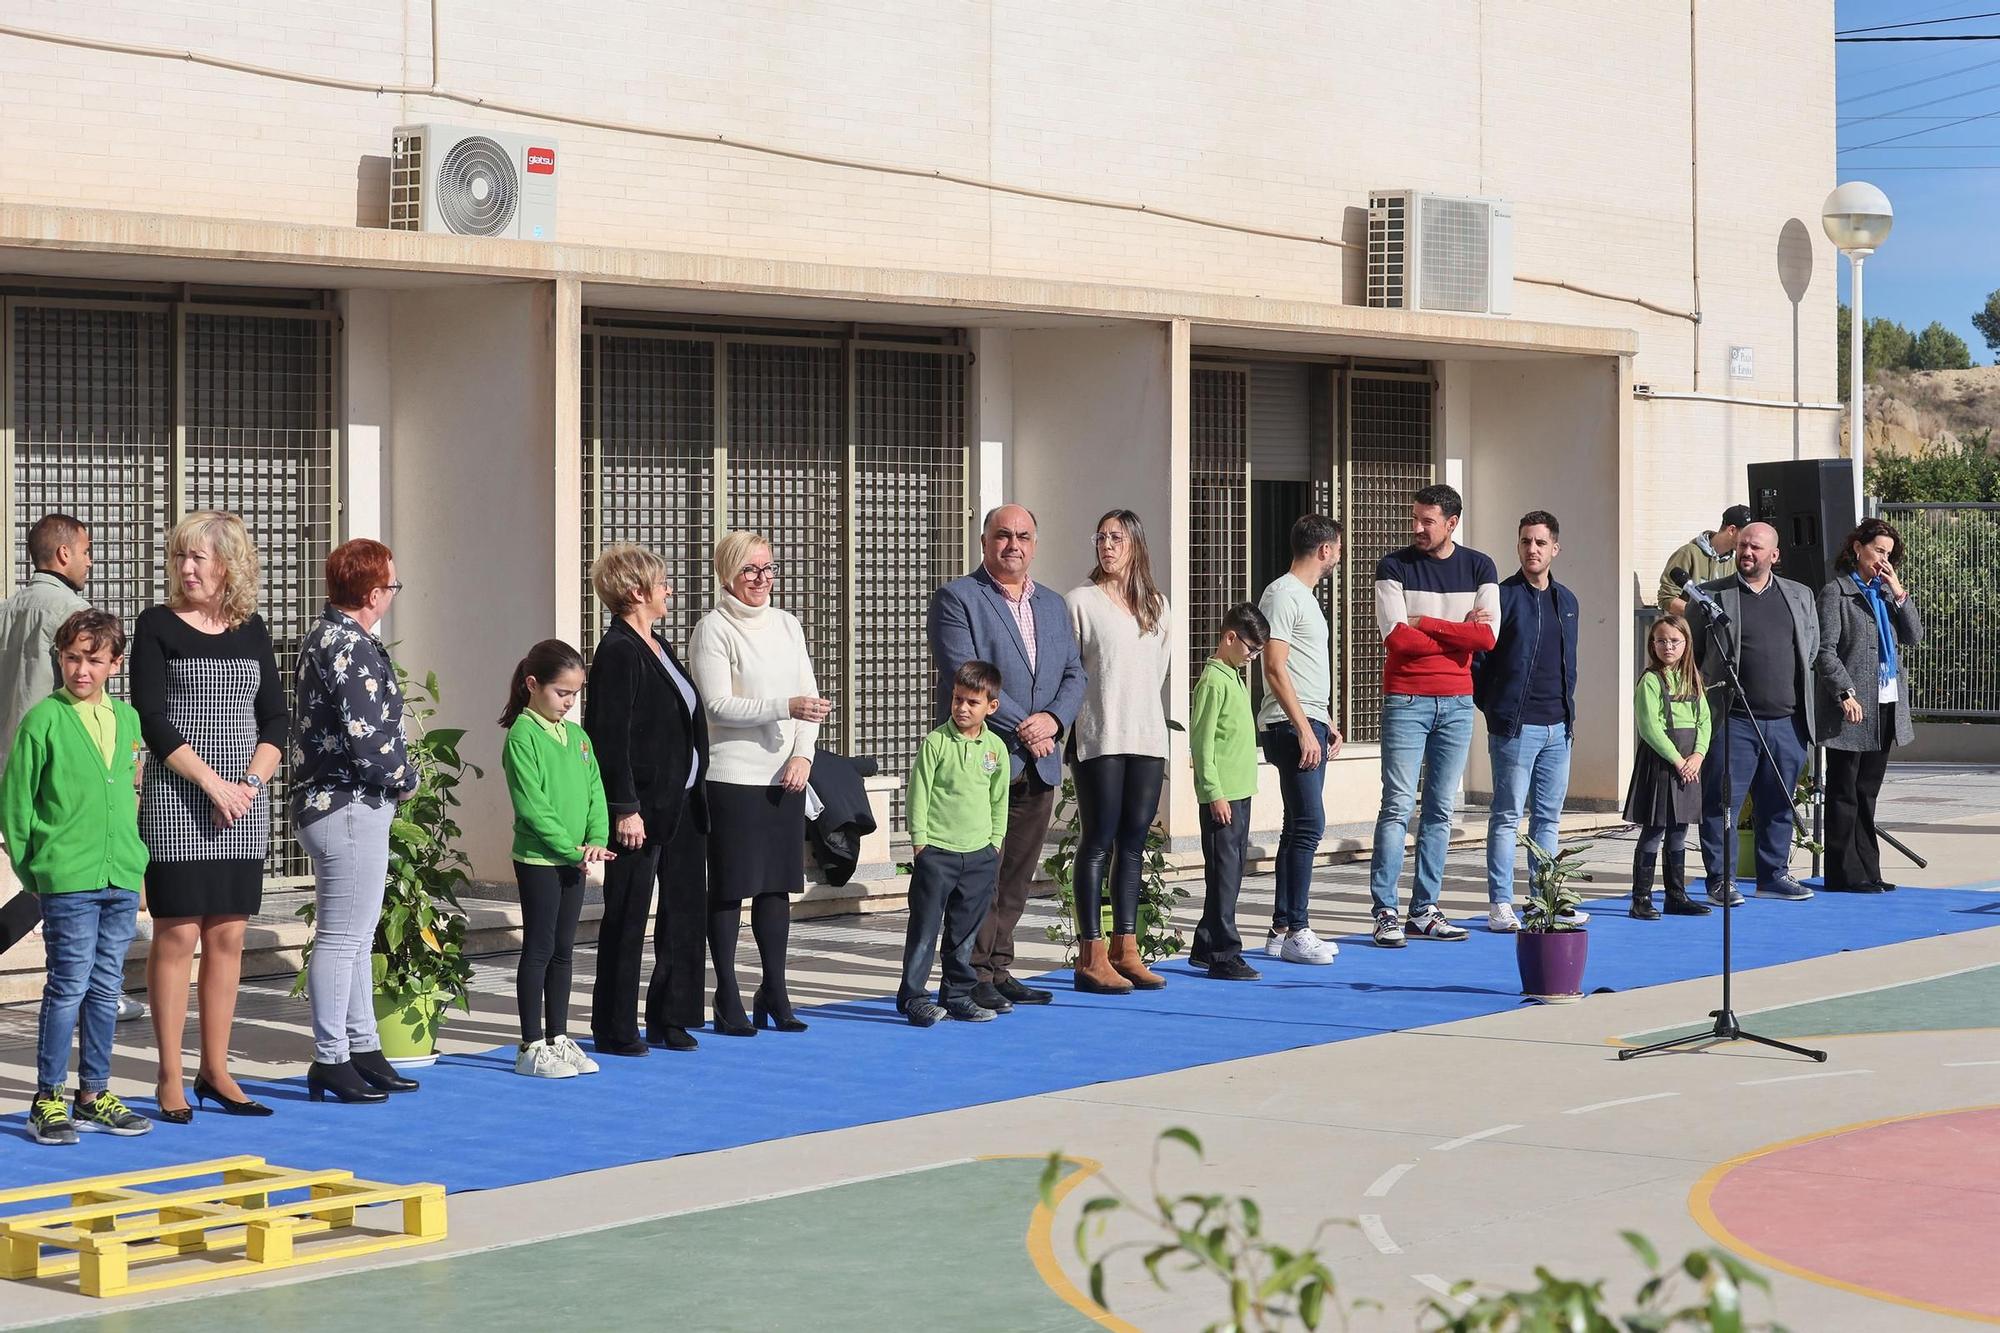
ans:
x=1440 y=252
x=472 y=182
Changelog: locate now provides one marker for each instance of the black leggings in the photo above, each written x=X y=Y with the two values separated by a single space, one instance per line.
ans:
x=1117 y=796
x=771 y=927
x=551 y=900
x=1674 y=836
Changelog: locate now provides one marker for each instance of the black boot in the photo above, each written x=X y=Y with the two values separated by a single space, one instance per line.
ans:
x=377 y=1072
x=1642 y=888
x=1678 y=902
x=341 y=1083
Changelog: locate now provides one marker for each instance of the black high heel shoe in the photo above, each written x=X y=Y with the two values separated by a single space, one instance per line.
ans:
x=342 y=1082
x=205 y=1092
x=762 y=1009
x=180 y=1115
x=732 y=1027
x=377 y=1072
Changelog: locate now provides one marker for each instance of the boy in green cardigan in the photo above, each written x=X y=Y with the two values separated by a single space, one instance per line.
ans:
x=69 y=808
x=958 y=818
x=1222 y=734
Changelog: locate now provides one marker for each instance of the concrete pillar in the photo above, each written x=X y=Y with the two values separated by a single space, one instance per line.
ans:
x=566 y=338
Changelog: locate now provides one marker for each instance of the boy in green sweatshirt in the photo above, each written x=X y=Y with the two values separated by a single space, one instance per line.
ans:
x=958 y=819
x=1222 y=734
x=69 y=808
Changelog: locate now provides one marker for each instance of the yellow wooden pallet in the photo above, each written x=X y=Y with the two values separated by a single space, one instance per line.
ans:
x=104 y=1227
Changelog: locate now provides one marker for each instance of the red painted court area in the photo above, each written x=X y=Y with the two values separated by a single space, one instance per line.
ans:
x=1904 y=1210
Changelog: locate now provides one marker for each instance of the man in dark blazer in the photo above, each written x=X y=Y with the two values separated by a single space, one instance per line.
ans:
x=998 y=614
x=1773 y=640
x=646 y=720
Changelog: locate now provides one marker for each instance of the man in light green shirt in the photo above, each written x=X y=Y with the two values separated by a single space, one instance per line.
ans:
x=1298 y=731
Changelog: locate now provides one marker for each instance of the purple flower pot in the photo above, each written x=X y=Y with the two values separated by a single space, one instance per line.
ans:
x=1552 y=964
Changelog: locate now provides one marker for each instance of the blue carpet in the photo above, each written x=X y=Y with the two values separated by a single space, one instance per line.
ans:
x=475 y=1125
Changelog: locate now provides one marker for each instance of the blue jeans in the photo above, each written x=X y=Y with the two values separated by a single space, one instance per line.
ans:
x=1530 y=771
x=85 y=936
x=1423 y=736
x=1305 y=820
x=1770 y=794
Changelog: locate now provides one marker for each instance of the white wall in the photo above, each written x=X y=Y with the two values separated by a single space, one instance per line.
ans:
x=473 y=472
x=1545 y=435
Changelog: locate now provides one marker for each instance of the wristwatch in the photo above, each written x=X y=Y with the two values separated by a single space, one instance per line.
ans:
x=1845 y=695
x=252 y=780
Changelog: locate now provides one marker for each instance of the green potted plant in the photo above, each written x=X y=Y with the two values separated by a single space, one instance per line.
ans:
x=1550 y=951
x=419 y=961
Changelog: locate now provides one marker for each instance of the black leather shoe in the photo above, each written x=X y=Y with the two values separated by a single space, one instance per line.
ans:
x=733 y=1024
x=987 y=996
x=1233 y=969
x=776 y=1010
x=619 y=1046
x=204 y=1093
x=340 y=1082
x=1884 y=886
x=674 y=1039
x=377 y=1072
x=1016 y=993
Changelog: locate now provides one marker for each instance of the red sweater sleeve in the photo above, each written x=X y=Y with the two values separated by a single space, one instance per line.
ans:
x=1461 y=635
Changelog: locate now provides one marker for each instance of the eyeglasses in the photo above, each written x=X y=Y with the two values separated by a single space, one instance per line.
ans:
x=758 y=573
x=391 y=587
x=1108 y=539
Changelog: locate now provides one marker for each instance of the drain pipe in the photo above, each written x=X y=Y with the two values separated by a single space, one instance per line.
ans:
x=1694 y=186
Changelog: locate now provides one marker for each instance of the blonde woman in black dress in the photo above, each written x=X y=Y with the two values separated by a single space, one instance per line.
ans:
x=212 y=709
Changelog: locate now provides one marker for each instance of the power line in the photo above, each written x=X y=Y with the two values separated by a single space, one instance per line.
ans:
x=1894 y=138
x=1917 y=83
x=1920 y=23
x=1963 y=37
x=1918 y=106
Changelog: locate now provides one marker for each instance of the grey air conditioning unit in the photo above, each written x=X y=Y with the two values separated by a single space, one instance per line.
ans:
x=472 y=182
x=1440 y=252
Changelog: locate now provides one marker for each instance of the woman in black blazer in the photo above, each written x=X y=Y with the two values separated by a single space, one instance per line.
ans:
x=645 y=718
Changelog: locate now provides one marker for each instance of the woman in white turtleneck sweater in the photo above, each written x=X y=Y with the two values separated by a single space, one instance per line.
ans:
x=751 y=667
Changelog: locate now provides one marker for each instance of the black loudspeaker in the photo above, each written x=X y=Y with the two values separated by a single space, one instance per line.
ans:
x=1811 y=504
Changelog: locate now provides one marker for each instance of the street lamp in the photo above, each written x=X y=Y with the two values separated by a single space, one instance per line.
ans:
x=1857 y=218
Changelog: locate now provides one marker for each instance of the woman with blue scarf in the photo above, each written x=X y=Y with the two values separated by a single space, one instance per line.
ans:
x=1865 y=618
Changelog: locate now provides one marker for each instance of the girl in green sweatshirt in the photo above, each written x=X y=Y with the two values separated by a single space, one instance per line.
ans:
x=560 y=826
x=1664 y=796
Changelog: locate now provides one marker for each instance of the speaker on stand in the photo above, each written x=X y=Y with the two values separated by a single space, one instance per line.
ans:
x=1811 y=503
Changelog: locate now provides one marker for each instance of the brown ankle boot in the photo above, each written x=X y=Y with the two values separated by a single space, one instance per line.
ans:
x=1094 y=975
x=1125 y=961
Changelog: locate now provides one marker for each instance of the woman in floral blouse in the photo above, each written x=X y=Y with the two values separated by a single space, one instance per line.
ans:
x=350 y=769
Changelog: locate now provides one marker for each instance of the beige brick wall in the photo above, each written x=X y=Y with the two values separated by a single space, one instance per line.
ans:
x=1281 y=115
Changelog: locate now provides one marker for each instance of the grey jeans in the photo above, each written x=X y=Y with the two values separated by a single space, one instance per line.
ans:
x=350 y=856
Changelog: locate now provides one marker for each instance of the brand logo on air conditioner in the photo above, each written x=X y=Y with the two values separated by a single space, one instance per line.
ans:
x=542 y=161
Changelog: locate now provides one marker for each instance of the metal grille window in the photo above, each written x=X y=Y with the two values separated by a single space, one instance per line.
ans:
x=1389 y=455
x=847 y=451
x=1218 y=502
x=128 y=413
x=1949 y=554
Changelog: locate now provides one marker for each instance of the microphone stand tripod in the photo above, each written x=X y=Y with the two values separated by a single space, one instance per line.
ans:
x=1727 y=1028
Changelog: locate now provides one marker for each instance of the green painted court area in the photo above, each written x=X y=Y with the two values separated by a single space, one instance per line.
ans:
x=942 y=1248
x=1939 y=1004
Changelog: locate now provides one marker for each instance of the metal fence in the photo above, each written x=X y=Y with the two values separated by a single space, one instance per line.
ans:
x=1951 y=563
x=128 y=409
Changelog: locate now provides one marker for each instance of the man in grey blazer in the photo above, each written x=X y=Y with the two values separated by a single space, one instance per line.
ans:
x=998 y=614
x=1773 y=639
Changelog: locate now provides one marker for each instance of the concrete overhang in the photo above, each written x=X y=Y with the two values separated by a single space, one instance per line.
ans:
x=80 y=243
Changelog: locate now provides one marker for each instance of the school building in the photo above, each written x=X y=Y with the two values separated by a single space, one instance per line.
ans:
x=852 y=273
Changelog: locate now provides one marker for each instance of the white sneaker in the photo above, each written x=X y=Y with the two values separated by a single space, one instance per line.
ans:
x=539 y=1060
x=1302 y=946
x=1500 y=919
x=1274 y=945
x=572 y=1055
x=1574 y=917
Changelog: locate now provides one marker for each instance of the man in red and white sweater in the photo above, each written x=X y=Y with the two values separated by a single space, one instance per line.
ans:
x=1437 y=604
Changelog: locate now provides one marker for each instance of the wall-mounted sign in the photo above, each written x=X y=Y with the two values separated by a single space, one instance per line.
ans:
x=1742 y=363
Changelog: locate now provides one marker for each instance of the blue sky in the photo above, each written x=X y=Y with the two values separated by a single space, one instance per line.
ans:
x=1944 y=179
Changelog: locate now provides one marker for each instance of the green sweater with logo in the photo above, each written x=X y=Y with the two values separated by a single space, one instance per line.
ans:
x=70 y=819
x=558 y=796
x=1222 y=735
x=958 y=791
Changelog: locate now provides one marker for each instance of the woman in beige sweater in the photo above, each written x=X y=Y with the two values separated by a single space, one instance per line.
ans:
x=755 y=678
x=1119 y=754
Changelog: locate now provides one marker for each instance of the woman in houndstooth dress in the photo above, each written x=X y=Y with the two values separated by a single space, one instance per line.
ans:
x=212 y=706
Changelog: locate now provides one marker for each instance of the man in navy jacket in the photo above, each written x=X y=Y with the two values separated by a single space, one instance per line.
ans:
x=1526 y=687
x=1000 y=615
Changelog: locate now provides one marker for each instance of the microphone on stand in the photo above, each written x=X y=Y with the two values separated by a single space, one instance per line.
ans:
x=1691 y=590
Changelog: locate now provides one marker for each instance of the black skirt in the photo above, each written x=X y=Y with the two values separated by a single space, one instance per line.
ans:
x=204 y=888
x=1656 y=797
x=756 y=842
